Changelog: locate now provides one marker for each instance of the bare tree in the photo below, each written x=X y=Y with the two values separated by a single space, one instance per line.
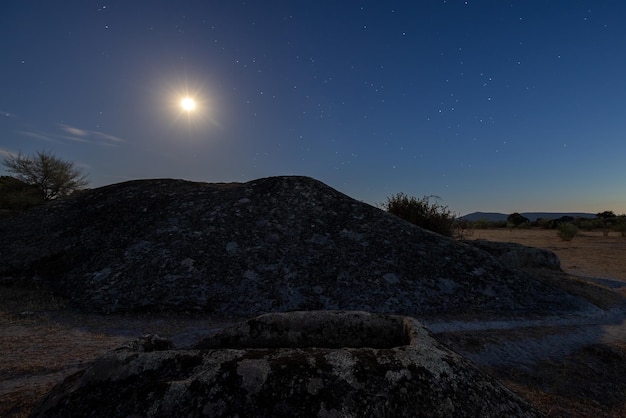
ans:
x=52 y=176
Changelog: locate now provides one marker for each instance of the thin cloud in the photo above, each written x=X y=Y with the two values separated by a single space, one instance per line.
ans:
x=73 y=130
x=38 y=135
x=83 y=135
x=107 y=137
x=74 y=134
x=6 y=153
x=7 y=114
x=74 y=138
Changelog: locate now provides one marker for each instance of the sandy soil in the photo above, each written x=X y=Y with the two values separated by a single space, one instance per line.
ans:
x=565 y=366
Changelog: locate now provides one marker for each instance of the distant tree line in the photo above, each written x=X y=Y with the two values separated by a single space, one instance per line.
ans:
x=428 y=213
x=606 y=222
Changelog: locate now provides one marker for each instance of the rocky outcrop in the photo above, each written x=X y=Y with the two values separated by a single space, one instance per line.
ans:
x=517 y=256
x=274 y=244
x=300 y=364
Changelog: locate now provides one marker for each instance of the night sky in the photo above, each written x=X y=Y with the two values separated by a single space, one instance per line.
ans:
x=491 y=105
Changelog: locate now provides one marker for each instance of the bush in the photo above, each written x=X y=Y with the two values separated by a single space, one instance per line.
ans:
x=567 y=231
x=587 y=225
x=543 y=223
x=422 y=212
x=620 y=227
x=515 y=219
x=481 y=224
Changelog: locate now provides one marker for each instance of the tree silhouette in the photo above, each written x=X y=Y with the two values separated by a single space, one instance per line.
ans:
x=606 y=214
x=52 y=176
x=516 y=219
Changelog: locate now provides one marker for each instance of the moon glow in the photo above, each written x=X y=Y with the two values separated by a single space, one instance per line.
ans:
x=188 y=104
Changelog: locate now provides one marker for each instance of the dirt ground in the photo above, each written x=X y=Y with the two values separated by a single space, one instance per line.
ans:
x=589 y=254
x=42 y=341
x=572 y=370
x=582 y=372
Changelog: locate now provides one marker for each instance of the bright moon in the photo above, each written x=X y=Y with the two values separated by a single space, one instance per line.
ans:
x=188 y=104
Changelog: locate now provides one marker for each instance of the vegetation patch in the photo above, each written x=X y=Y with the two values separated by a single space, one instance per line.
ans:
x=424 y=212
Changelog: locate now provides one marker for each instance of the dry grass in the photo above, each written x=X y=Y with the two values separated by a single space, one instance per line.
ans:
x=589 y=254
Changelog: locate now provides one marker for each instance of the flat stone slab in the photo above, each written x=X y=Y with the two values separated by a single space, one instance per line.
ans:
x=295 y=364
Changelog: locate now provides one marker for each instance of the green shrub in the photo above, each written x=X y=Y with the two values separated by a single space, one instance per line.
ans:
x=598 y=224
x=481 y=224
x=499 y=224
x=567 y=231
x=422 y=212
x=587 y=225
x=543 y=223
x=620 y=227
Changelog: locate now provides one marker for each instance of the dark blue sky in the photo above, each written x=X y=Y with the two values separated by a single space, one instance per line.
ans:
x=491 y=105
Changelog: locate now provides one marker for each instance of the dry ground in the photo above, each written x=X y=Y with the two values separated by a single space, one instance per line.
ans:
x=42 y=341
x=587 y=375
x=589 y=254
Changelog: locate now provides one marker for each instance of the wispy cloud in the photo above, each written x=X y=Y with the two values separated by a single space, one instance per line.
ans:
x=72 y=130
x=107 y=137
x=74 y=138
x=82 y=135
x=72 y=133
x=7 y=114
x=6 y=153
x=38 y=135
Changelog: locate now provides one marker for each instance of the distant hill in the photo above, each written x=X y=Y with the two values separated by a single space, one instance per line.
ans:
x=533 y=216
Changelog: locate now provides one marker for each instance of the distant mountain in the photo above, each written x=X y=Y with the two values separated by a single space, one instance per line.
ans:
x=533 y=216
x=489 y=216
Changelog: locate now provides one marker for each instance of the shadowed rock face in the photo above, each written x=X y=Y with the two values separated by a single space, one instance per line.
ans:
x=519 y=256
x=274 y=244
x=301 y=376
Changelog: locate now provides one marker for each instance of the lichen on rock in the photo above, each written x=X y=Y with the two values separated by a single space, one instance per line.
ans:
x=269 y=245
x=420 y=377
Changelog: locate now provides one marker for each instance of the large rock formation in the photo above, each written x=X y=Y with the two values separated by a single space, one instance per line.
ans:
x=274 y=244
x=300 y=364
x=519 y=256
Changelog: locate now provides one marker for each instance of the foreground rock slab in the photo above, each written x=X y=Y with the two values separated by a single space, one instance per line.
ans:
x=298 y=364
x=269 y=245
